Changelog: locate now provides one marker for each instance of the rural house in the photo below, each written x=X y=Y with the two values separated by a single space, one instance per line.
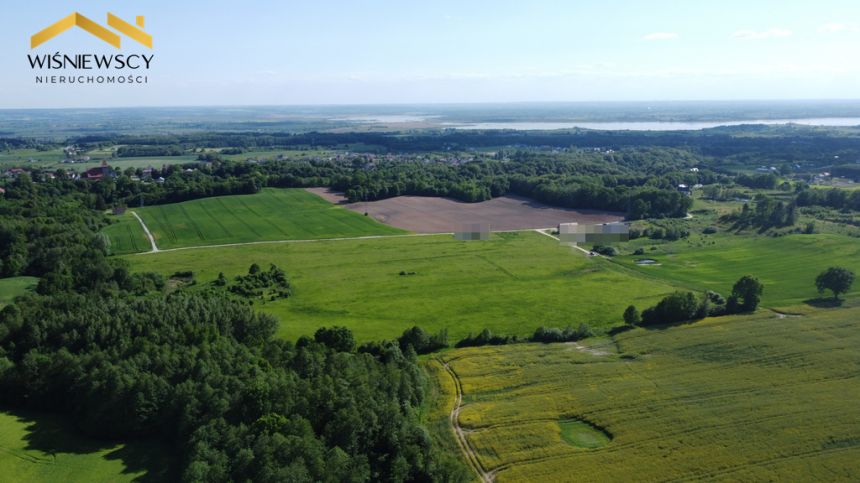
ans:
x=96 y=174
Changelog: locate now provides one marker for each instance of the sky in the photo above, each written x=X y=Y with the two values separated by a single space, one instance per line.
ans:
x=290 y=52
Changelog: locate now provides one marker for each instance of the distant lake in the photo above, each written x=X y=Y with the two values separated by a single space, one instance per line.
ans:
x=384 y=118
x=651 y=125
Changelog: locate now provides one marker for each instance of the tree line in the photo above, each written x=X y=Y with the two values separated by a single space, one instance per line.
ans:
x=639 y=182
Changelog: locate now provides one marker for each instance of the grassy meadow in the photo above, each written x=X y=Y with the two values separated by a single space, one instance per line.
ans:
x=760 y=397
x=511 y=284
x=786 y=265
x=41 y=447
x=126 y=235
x=273 y=214
x=14 y=286
x=53 y=159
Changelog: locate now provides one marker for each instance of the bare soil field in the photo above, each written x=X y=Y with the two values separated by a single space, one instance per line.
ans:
x=443 y=215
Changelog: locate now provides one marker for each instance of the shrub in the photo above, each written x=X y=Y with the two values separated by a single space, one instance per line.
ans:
x=631 y=316
x=340 y=339
x=710 y=230
x=715 y=297
x=261 y=284
x=746 y=295
x=605 y=250
x=485 y=337
x=674 y=308
x=422 y=342
x=656 y=233
x=568 y=334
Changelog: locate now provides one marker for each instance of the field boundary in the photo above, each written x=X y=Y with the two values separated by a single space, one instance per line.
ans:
x=313 y=240
x=148 y=234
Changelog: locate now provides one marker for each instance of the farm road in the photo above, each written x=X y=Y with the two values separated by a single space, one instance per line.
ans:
x=462 y=441
x=148 y=234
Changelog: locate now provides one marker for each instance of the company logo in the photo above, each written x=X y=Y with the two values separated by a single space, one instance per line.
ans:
x=78 y=20
x=63 y=67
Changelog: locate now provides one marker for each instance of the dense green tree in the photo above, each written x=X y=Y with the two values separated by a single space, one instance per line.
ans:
x=422 y=342
x=631 y=316
x=674 y=308
x=746 y=294
x=339 y=339
x=836 y=279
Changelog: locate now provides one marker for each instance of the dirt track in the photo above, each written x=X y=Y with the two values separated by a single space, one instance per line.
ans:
x=442 y=215
x=468 y=451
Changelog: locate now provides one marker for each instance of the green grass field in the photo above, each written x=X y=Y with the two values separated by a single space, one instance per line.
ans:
x=53 y=159
x=40 y=447
x=14 y=286
x=22 y=157
x=273 y=214
x=742 y=398
x=511 y=284
x=786 y=265
x=126 y=235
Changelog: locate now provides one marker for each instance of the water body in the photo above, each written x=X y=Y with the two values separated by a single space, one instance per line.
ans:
x=384 y=118
x=652 y=125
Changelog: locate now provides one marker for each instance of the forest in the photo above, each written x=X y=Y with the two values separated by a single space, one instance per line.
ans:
x=124 y=357
x=636 y=173
x=639 y=182
x=766 y=143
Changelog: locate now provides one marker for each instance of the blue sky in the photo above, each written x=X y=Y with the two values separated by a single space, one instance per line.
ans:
x=364 y=52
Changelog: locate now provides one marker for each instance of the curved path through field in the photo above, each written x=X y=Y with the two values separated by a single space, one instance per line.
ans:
x=148 y=234
x=462 y=441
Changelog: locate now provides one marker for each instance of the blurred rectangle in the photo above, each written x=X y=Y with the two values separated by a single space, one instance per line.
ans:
x=473 y=231
x=600 y=234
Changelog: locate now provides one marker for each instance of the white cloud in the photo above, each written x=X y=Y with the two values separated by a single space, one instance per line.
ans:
x=764 y=34
x=835 y=27
x=661 y=36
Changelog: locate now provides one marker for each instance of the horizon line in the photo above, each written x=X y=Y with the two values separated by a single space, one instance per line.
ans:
x=414 y=104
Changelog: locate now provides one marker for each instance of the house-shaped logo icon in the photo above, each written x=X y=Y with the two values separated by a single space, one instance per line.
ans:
x=77 y=20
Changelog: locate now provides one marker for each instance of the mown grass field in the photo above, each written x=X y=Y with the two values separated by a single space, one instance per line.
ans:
x=14 y=286
x=742 y=398
x=126 y=235
x=511 y=284
x=273 y=214
x=786 y=265
x=40 y=447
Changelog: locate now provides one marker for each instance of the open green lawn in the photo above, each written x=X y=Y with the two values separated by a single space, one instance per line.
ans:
x=14 y=286
x=22 y=157
x=581 y=434
x=53 y=159
x=511 y=284
x=37 y=447
x=273 y=214
x=126 y=235
x=273 y=154
x=743 y=398
x=786 y=265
